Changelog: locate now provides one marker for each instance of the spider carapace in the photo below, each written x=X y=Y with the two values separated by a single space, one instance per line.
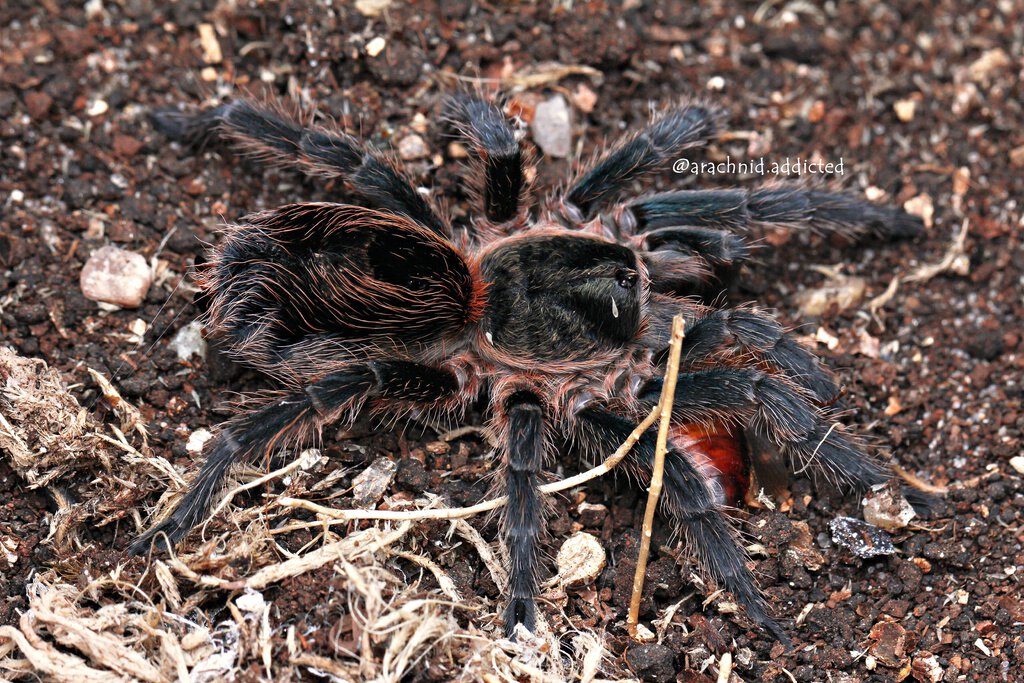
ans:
x=560 y=318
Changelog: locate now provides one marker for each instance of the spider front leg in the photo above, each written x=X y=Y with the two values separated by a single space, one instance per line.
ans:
x=270 y=135
x=665 y=138
x=690 y=498
x=738 y=210
x=291 y=418
x=692 y=260
x=498 y=177
x=521 y=522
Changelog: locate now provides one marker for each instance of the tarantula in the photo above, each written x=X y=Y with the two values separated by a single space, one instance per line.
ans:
x=562 y=320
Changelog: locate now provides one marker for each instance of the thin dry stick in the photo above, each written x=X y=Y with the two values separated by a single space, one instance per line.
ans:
x=668 y=391
x=336 y=516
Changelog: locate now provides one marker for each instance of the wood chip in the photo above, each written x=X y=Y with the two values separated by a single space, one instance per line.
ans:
x=210 y=45
x=905 y=109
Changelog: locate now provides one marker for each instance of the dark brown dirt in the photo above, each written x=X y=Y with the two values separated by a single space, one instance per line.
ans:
x=942 y=392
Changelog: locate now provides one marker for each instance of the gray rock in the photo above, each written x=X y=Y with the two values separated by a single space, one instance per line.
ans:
x=551 y=127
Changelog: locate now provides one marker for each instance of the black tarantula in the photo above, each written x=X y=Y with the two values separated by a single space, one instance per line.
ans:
x=562 y=320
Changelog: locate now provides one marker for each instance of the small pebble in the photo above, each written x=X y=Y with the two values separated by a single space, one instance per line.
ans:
x=189 y=342
x=1017 y=463
x=584 y=99
x=457 y=150
x=38 y=104
x=861 y=538
x=251 y=601
x=198 y=439
x=376 y=46
x=580 y=559
x=923 y=207
x=371 y=8
x=211 y=46
x=1017 y=156
x=887 y=508
x=97 y=108
x=905 y=110
x=138 y=329
x=116 y=276
x=551 y=128
x=988 y=63
x=412 y=147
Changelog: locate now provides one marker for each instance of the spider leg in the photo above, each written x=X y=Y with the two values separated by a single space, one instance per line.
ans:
x=292 y=417
x=742 y=330
x=664 y=138
x=690 y=500
x=499 y=178
x=693 y=260
x=778 y=411
x=270 y=135
x=523 y=516
x=738 y=209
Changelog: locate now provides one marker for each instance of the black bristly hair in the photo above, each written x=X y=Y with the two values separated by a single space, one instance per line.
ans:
x=499 y=177
x=560 y=321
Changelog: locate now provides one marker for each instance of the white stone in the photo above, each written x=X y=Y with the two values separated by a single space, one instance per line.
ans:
x=251 y=601
x=198 y=439
x=376 y=46
x=412 y=147
x=886 y=508
x=580 y=559
x=116 y=276
x=551 y=127
x=188 y=341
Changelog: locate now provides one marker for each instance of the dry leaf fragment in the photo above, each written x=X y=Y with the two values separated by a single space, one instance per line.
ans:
x=211 y=46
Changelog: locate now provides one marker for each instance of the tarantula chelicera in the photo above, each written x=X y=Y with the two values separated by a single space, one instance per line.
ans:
x=561 y=319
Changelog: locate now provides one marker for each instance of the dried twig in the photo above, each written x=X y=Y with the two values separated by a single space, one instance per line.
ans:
x=131 y=418
x=668 y=391
x=954 y=259
x=335 y=516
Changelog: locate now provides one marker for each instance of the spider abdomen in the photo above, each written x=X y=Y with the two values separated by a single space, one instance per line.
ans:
x=719 y=453
x=301 y=275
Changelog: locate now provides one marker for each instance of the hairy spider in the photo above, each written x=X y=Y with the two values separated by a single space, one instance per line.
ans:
x=561 y=320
